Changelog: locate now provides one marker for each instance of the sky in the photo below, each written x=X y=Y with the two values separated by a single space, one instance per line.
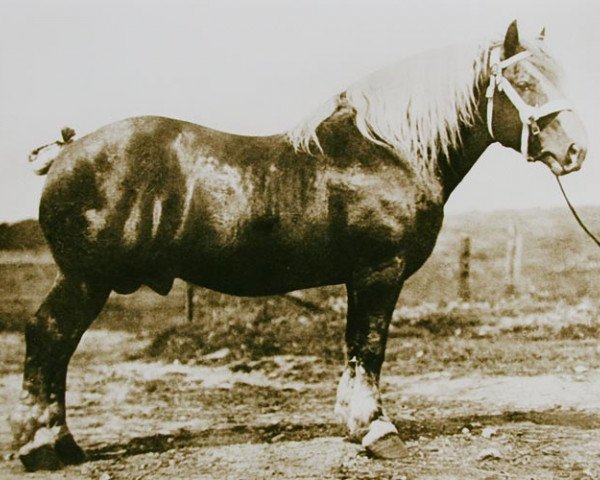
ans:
x=258 y=67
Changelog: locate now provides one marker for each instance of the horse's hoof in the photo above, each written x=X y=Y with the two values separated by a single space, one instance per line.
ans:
x=383 y=441
x=51 y=449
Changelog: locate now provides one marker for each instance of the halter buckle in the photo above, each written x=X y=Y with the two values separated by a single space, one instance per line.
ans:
x=534 y=127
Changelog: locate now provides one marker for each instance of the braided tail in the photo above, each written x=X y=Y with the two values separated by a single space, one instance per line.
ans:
x=41 y=158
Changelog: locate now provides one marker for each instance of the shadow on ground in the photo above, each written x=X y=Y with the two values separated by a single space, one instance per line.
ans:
x=272 y=433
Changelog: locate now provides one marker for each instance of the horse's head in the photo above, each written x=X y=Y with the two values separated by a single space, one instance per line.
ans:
x=525 y=109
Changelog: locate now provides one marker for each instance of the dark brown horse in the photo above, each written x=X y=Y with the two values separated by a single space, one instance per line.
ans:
x=354 y=195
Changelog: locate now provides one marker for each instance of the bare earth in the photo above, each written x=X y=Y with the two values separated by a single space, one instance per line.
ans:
x=142 y=420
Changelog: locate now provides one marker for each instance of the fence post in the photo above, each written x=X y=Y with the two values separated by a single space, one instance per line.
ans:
x=464 y=270
x=189 y=302
x=514 y=249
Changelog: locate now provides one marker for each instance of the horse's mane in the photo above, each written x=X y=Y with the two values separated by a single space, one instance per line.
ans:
x=417 y=106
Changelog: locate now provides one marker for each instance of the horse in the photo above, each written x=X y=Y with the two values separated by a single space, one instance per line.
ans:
x=353 y=195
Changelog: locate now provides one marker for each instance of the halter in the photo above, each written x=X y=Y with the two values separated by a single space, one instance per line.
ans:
x=528 y=114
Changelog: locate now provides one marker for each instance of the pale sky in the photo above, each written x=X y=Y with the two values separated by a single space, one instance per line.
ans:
x=258 y=67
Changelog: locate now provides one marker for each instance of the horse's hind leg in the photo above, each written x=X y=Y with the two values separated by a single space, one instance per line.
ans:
x=372 y=296
x=39 y=423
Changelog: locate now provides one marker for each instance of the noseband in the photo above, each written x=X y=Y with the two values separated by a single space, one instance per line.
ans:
x=528 y=114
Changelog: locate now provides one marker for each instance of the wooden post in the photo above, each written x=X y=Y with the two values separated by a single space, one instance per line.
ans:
x=189 y=302
x=464 y=270
x=514 y=249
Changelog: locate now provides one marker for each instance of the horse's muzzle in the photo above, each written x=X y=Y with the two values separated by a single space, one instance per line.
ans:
x=574 y=158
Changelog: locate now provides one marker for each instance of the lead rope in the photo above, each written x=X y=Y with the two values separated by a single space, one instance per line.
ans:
x=572 y=208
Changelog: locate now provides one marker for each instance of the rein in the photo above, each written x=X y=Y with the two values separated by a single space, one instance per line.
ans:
x=572 y=208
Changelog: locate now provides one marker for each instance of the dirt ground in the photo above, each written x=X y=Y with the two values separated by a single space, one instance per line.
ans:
x=274 y=419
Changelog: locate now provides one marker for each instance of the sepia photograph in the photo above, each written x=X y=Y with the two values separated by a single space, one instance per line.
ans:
x=299 y=239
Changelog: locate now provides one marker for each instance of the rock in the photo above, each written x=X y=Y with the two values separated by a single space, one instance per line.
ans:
x=580 y=369
x=8 y=456
x=489 y=454
x=218 y=354
x=489 y=432
x=105 y=476
x=485 y=331
x=465 y=431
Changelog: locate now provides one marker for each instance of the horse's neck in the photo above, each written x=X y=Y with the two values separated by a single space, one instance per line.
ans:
x=341 y=140
x=474 y=140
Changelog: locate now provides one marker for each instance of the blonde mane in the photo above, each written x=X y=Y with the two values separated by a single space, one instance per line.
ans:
x=415 y=107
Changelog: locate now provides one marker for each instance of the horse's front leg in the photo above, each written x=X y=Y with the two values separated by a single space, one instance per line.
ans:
x=372 y=296
x=39 y=423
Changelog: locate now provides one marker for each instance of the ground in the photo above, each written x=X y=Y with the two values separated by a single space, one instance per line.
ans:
x=155 y=420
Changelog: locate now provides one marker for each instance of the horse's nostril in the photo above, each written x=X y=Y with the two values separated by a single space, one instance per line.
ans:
x=573 y=151
x=575 y=154
x=574 y=158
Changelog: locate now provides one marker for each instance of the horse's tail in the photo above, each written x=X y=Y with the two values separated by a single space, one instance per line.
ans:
x=41 y=158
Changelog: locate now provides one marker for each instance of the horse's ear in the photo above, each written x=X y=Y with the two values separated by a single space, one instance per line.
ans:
x=542 y=35
x=511 y=40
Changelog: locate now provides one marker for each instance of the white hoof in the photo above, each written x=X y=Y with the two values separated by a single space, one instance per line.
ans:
x=383 y=441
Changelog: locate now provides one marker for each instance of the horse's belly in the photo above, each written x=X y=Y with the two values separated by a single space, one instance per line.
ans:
x=266 y=264
x=268 y=254
x=260 y=282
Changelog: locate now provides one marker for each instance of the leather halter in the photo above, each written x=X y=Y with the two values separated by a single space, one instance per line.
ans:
x=528 y=114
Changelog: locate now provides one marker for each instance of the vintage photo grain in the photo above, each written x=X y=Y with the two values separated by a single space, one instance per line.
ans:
x=299 y=239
